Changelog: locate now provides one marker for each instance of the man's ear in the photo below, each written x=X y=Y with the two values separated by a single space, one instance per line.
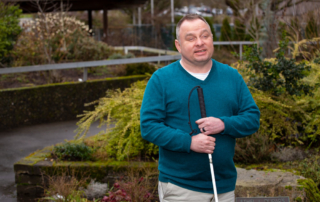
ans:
x=176 y=42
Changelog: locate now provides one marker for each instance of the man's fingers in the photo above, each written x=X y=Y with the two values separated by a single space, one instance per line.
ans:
x=209 y=151
x=200 y=121
x=211 y=141
x=202 y=143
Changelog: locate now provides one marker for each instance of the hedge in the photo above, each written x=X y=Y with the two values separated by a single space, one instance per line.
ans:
x=54 y=102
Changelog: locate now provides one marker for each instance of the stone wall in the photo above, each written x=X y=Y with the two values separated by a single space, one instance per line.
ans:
x=250 y=183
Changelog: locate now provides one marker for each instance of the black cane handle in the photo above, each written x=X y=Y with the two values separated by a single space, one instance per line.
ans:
x=201 y=102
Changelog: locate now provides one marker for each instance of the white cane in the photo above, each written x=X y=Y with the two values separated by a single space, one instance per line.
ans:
x=213 y=179
x=203 y=115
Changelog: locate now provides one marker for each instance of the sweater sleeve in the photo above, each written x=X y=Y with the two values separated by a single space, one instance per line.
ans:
x=152 y=119
x=247 y=119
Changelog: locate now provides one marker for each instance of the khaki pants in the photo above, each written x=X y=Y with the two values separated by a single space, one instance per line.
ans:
x=169 y=192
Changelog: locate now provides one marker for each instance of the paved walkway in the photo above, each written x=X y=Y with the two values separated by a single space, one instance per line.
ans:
x=19 y=143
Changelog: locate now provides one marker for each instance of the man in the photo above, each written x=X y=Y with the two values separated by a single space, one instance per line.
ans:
x=231 y=113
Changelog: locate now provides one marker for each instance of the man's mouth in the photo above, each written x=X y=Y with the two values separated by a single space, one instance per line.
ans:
x=199 y=51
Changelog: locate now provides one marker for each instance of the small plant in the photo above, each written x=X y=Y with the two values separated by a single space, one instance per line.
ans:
x=73 y=152
x=64 y=186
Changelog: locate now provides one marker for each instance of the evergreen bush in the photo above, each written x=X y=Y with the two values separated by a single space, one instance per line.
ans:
x=9 y=31
x=280 y=77
x=210 y=22
x=226 y=33
x=286 y=119
x=239 y=31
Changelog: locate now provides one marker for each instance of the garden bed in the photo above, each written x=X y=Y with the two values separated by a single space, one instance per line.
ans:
x=30 y=171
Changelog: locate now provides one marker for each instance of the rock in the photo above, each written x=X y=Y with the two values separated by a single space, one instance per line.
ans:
x=273 y=183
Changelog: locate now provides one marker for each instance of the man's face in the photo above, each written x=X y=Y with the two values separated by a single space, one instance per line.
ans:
x=195 y=42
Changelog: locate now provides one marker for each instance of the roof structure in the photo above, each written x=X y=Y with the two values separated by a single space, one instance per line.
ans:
x=32 y=6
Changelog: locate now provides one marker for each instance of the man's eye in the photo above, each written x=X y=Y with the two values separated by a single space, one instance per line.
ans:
x=190 y=38
x=205 y=36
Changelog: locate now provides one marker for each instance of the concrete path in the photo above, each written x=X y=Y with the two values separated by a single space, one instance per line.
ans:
x=18 y=143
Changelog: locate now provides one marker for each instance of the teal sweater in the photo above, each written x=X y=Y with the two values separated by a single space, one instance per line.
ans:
x=164 y=122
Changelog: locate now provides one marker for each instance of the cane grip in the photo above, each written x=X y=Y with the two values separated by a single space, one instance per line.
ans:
x=201 y=103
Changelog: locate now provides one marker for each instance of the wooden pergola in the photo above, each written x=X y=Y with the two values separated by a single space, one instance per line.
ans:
x=33 y=6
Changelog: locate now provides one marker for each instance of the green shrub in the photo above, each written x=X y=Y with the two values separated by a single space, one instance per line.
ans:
x=73 y=152
x=9 y=31
x=280 y=77
x=288 y=119
x=139 y=69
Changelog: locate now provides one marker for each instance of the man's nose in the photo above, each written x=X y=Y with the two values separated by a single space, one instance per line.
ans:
x=199 y=41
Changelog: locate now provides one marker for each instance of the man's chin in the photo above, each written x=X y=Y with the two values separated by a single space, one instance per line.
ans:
x=203 y=60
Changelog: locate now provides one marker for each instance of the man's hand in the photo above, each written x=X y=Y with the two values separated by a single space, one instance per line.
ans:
x=210 y=125
x=202 y=143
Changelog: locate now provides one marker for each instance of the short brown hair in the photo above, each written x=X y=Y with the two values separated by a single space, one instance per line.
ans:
x=188 y=17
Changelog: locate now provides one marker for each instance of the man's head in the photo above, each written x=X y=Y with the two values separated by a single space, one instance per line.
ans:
x=188 y=17
x=194 y=40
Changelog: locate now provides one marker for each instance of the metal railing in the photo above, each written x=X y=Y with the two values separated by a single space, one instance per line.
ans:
x=240 y=43
x=85 y=65
x=126 y=50
x=168 y=56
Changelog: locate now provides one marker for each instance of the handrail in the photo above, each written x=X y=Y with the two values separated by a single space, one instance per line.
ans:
x=168 y=52
x=145 y=49
x=87 y=64
x=169 y=55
